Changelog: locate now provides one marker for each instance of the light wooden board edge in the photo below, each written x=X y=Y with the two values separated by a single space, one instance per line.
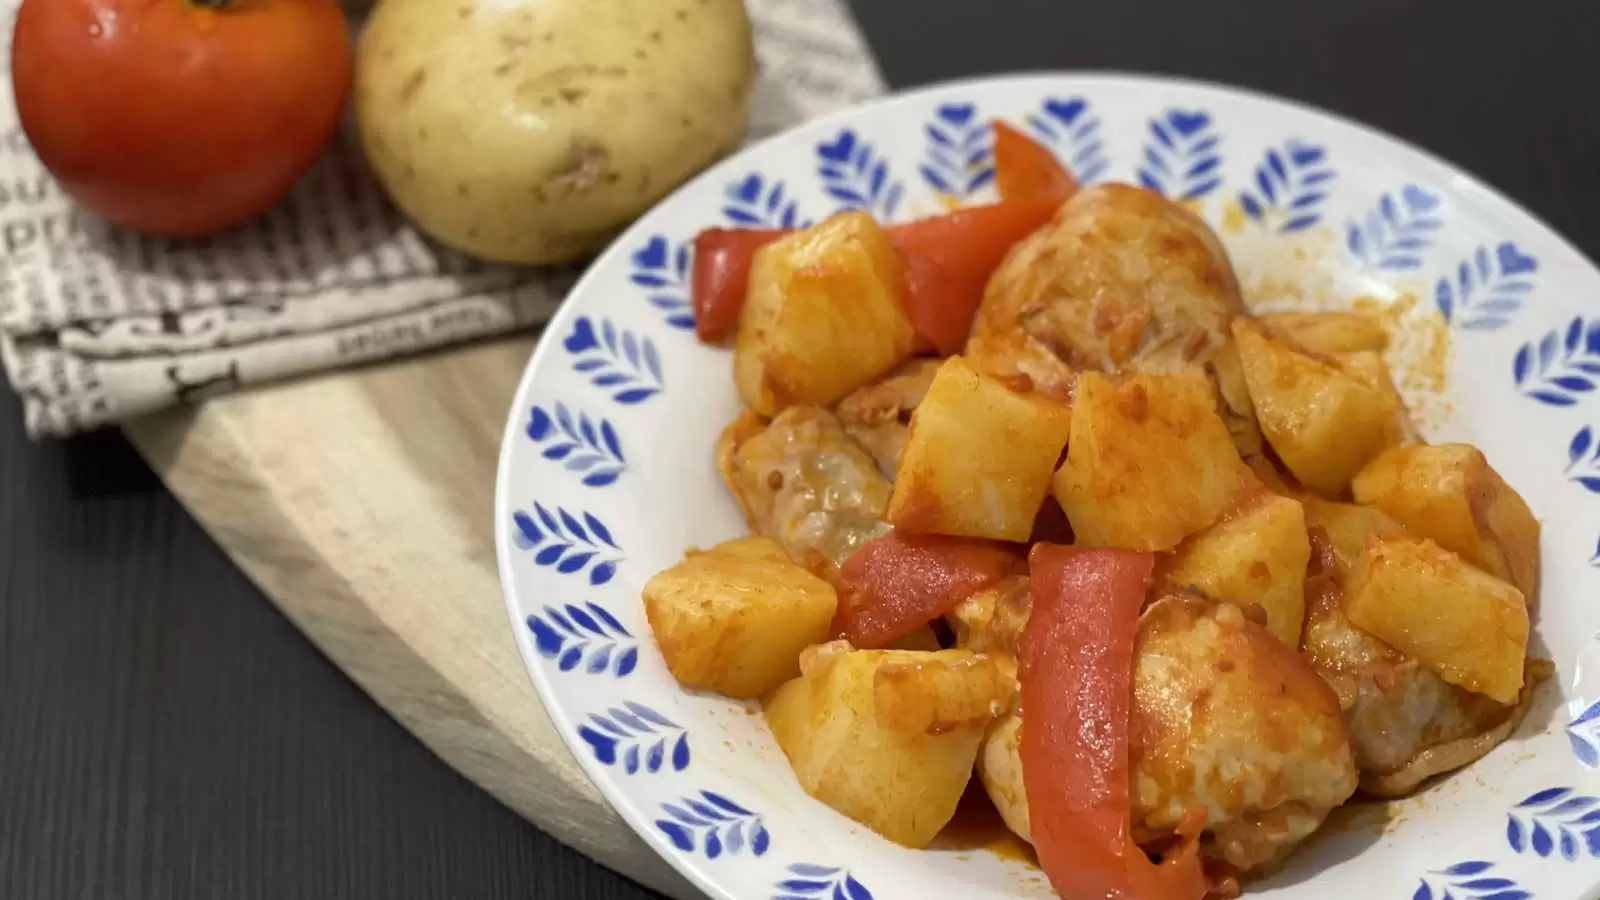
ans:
x=381 y=553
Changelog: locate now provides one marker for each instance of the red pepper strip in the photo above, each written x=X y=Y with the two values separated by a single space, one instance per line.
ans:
x=1077 y=686
x=899 y=582
x=948 y=262
x=722 y=258
x=1025 y=170
x=949 y=259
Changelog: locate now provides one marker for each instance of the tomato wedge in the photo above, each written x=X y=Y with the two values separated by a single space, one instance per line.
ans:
x=899 y=582
x=1076 y=671
x=948 y=262
x=949 y=259
x=722 y=258
x=1026 y=171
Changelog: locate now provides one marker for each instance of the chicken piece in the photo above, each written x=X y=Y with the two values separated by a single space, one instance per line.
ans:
x=1124 y=280
x=804 y=482
x=878 y=416
x=1225 y=720
x=1406 y=723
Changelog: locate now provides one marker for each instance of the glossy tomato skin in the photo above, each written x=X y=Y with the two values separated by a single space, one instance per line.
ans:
x=174 y=117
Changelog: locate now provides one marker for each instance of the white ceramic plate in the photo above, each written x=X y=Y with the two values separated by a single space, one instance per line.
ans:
x=606 y=471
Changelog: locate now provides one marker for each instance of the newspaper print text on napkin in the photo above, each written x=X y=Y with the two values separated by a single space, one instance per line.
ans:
x=98 y=324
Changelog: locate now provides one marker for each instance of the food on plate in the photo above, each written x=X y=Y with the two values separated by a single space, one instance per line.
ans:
x=1329 y=332
x=978 y=457
x=179 y=150
x=1322 y=421
x=734 y=619
x=1466 y=625
x=1091 y=538
x=802 y=481
x=888 y=737
x=1451 y=494
x=796 y=343
x=532 y=132
x=1149 y=461
x=1256 y=557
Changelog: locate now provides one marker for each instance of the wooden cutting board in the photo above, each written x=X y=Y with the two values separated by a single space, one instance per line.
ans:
x=376 y=539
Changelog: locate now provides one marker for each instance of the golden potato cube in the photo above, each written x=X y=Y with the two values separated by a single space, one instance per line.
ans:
x=888 y=737
x=734 y=619
x=1323 y=422
x=1370 y=368
x=822 y=315
x=1257 y=557
x=978 y=459
x=1149 y=461
x=1466 y=625
x=1346 y=527
x=1451 y=494
x=1328 y=332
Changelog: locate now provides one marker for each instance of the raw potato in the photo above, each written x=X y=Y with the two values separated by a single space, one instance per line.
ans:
x=1149 y=462
x=1257 y=557
x=1323 y=422
x=979 y=457
x=532 y=132
x=1329 y=332
x=888 y=737
x=1468 y=626
x=735 y=618
x=1451 y=494
x=823 y=315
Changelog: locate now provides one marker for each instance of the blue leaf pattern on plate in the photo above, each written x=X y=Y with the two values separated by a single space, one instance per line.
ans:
x=637 y=738
x=1182 y=159
x=1487 y=289
x=1291 y=184
x=663 y=271
x=959 y=160
x=755 y=202
x=1555 y=821
x=1068 y=127
x=622 y=362
x=565 y=543
x=1561 y=366
x=1583 y=460
x=1470 y=880
x=584 y=636
x=856 y=176
x=578 y=442
x=712 y=825
x=806 y=881
x=1395 y=232
x=1583 y=732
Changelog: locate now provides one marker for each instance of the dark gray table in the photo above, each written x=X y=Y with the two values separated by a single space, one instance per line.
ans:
x=164 y=733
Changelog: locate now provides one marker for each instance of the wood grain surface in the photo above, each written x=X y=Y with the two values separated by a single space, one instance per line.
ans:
x=166 y=733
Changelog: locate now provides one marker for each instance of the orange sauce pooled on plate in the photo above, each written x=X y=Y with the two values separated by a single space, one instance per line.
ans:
x=977 y=826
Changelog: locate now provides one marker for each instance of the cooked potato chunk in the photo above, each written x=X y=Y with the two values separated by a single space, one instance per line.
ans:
x=1324 y=422
x=1346 y=526
x=1257 y=557
x=1370 y=368
x=977 y=462
x=822 y=316
x=733 y=619
x=1329 y=332
x=888 y=737
x=1451 y=494
x=1149 y=462
x=1468 y=626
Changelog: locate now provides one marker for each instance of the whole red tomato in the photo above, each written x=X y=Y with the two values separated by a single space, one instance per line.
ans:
x=179 y=117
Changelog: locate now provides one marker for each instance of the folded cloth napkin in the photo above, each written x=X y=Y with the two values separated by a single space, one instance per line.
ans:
x=99 y=324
